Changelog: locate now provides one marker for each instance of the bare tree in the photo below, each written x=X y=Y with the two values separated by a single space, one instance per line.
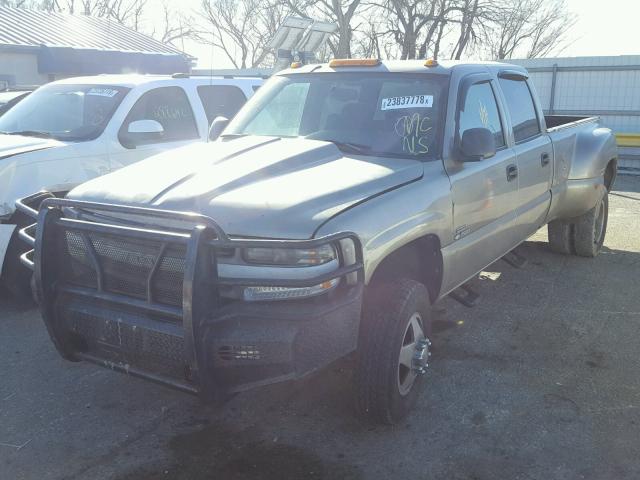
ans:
x=549 y=29
x=176 y=26
x=414 y=24
x=21 y=3
x=241 y=29
x=469 y=15
x=528 y=27
x=369 y=41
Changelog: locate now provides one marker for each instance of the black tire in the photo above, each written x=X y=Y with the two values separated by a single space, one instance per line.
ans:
x=388 y=313
x=591 y=228
x=560 y=233
x=583 y=235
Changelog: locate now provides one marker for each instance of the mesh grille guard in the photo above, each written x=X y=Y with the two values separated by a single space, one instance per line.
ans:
x=85 y=259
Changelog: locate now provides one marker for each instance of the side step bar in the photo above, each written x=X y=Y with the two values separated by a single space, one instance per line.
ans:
x=468 y=297
x=516 y=260
x=465 y=295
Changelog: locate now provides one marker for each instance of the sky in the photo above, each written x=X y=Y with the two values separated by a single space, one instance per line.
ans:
x=610 y=27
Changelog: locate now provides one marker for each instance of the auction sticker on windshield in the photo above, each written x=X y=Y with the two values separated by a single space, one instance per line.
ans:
x=407 y=101
x=103 y=92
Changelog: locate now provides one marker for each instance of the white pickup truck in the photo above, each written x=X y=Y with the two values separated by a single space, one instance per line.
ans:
x=73 y=130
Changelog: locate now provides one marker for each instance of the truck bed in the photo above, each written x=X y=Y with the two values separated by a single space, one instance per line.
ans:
x=556 y=122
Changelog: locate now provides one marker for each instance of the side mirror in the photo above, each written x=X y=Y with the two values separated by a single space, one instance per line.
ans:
x=140 y=132
x=477 y=144
x=217 y=127
x=145 y=127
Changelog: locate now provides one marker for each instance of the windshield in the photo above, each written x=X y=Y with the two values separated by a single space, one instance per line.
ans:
x=392 y=114
x=64 y=112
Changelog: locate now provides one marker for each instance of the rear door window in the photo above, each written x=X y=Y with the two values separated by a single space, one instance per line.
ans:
x=521 y=109
x=480 y=110
x=221 y=100
x=168 y=106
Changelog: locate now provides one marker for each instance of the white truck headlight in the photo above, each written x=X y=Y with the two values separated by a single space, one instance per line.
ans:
x=291 y=257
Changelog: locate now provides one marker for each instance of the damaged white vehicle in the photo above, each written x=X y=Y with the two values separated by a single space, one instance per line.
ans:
x=73 y=130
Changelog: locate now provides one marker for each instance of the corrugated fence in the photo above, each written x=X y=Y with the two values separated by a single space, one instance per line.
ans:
x=605 y=86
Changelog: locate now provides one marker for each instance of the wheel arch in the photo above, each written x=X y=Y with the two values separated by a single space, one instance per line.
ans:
x=610 y=173
x=594 y=150
x=420 y=260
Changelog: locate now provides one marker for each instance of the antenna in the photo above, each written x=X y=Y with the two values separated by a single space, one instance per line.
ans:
x=213 y=41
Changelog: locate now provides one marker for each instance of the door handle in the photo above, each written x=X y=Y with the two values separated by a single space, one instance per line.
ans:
x=545 y=159
x=512 y=172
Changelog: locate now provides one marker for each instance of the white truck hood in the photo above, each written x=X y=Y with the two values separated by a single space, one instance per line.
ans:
x=11 y=145
x=30 y=164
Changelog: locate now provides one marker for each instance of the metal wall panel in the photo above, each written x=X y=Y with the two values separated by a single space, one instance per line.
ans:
x=605 y=86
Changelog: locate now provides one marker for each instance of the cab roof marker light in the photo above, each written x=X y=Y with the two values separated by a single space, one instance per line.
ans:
x=431 y=63
x=354 y=62
x=296 y=64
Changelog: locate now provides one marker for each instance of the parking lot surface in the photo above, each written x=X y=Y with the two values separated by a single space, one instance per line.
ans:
x=539 y=381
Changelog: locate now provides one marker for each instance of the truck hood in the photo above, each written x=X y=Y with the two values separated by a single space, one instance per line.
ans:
x=254 y=186
x=11 y=145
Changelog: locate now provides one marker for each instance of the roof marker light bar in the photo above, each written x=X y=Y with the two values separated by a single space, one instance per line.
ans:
x=354 y=62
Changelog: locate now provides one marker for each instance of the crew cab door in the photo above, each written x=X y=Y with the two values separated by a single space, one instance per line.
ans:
x=533 y=149
x=170 y=107
x=483 y=192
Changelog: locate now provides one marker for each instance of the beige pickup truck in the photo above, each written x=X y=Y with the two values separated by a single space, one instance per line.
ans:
x=337 y=207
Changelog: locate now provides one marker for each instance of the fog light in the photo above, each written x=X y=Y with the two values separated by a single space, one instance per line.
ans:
x=253 y=294
x=239 y=352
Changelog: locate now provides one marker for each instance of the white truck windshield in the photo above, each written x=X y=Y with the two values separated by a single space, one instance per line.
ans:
x=64 y=112
x=377 y=114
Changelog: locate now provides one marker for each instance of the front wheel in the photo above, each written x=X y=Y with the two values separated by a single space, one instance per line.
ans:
x=393 y=350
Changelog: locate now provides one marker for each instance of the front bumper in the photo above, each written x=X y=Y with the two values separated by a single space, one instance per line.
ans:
x=194 y=341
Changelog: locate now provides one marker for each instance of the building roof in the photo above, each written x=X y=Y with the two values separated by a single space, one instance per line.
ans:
x=31 y=28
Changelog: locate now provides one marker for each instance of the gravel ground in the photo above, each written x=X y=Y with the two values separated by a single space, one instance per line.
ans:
x=539 y=381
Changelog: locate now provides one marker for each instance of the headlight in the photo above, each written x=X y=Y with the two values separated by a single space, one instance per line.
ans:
x=292 y=257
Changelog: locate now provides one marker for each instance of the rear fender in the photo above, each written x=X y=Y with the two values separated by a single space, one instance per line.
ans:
x=578 y=183
x=594 y=149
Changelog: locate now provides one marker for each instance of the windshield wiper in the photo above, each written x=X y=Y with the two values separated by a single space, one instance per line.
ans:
x=234 y=135
x=30 y=133
x=366 y=149
x=355 y=147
